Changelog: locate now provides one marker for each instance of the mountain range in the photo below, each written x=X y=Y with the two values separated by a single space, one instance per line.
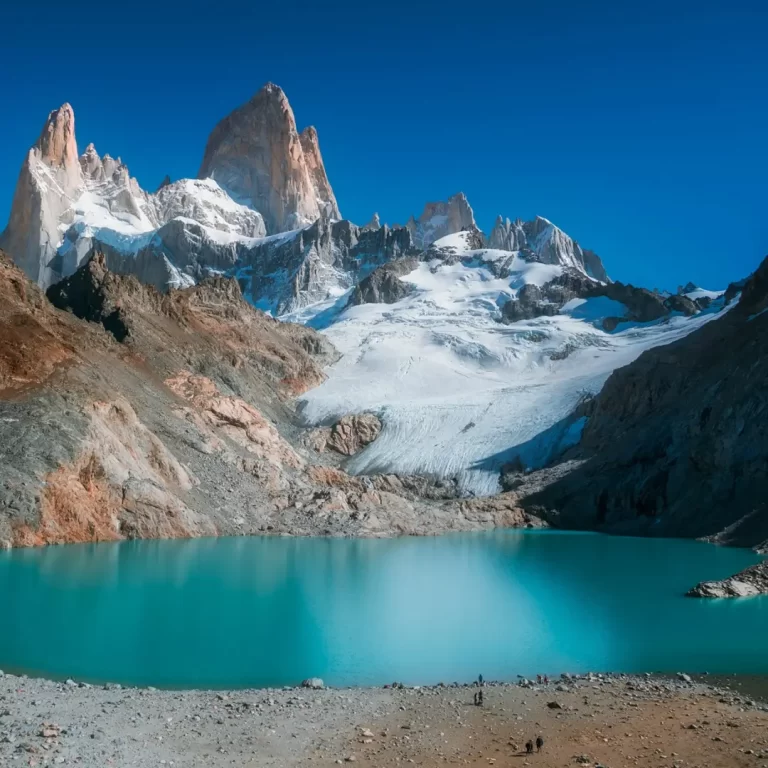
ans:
x=228 y=354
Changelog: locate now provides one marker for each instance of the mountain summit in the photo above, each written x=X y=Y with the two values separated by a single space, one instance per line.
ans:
x=49 y=178
x=257 y=154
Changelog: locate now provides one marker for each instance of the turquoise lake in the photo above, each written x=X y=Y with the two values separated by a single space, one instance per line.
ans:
x=242 y=612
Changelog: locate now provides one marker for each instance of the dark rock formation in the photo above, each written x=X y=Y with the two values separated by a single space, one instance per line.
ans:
x=82 y=294
x=383 y=285
x=642 y=305
x=678 y=303
x=529 y=303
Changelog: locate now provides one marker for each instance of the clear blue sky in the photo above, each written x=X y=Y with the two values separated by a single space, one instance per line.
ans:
x=639 y=128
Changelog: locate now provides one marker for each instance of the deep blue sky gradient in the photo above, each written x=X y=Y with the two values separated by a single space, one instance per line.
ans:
x=639 y=128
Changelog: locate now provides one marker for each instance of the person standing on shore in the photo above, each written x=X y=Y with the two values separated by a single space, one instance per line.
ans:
x=539 y=743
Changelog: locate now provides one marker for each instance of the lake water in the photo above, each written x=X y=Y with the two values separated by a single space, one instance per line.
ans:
x=241 y=612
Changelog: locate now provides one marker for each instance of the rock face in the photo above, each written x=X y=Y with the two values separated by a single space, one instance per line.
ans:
x=676 y=443
x=284 y=274
x=441 y=219
x=383 y=285
x=531 y=301
x=638 y=304
x=751 y=581
x=546 y=243
x=257 y=154
x=347 y=436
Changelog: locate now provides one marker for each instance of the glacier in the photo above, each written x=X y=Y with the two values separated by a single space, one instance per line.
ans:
x=461 y=394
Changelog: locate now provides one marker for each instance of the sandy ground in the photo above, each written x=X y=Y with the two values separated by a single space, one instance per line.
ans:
x=620 y=721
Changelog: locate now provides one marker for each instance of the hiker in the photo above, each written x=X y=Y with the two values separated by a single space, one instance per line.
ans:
x=546 y=679
x=479 y=679
x=538 y=679
x=529 y=747
x=475 y=698
x=480 y=698
x=539 y=743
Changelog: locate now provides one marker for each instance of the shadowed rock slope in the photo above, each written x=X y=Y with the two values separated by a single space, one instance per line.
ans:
x=128 y=413
x=676 y=443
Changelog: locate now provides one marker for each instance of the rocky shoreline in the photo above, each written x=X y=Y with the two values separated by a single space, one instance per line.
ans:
x=587 y=720
x=749 y=582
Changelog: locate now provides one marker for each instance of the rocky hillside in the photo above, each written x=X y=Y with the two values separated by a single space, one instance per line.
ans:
x=126 y=412
x=676 y=443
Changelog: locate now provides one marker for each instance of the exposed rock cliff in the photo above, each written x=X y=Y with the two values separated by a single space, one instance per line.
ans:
x=257 y=154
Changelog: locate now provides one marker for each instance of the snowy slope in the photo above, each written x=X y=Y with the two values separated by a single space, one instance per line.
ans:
x=461 y=394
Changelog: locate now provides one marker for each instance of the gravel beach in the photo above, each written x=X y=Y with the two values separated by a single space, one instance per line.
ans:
x=588 y=721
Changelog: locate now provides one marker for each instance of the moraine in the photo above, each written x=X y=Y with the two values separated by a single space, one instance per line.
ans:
x=242 y=612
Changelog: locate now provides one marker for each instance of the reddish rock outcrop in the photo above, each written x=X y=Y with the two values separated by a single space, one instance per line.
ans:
x=347 y=436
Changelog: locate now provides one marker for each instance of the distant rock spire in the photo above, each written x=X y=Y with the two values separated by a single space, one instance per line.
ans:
x=441 y=219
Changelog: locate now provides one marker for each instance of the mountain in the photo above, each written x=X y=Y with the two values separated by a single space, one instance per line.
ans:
x=257 y=154
x=676 y=444
x=67 y=207
x=412 y=374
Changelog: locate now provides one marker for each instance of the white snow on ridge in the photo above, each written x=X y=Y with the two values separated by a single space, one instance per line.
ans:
x=118 y=213
x=701 y=293
x=461 y=394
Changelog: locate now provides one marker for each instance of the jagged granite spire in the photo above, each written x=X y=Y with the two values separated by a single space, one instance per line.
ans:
x=257 y=154
x=50 y=177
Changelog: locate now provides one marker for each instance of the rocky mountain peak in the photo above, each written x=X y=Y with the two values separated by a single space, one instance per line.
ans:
x=257 y=154
x=374 y=223
x=541 y=240
x=50 y=177
x=440 y=219
x=57 y=144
